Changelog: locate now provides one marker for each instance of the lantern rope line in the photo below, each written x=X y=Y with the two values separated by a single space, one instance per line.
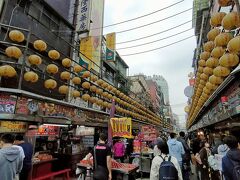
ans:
x=139 y=17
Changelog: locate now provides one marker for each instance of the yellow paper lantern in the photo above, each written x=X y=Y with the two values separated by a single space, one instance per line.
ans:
x=52 y=69
x=187 y=109
x=104 y=84
x=93 y=88
x=66 y=62
x=86 y=74
x=54 y=55
x=99 y=91
x=221 y=71
x=40 y=45
x=206 y=90
x=208 y=71
x=216 y=19
x=30 y=77
x=200 y=69
x=109 y=87
x=86 y=85
x=202 y=63
x=208 y=46
x=65 y=75
x=50 y=84
x=13 y=52
x=217 y=52
x=109 y=96
x=231 y=21
x=222 y=39
x=99 y=82
x=104 y=94
x=34 y=59
x=92 y=100
x=85 y=97
x=200 y=86
x=215 y=79
x=17 y=36
x=225 y=3
x=234 y=45
x=212 y=34
x=203 y=82
x=93 y=78
x=204 y=76
x=105 y=104
x=229 y=60
x=76 y=80
x=210 y=86
x=75 y=93
x=7 y=71
x=205 y=55
x=63 y=89
x=99 y=102
x=212 y=62
x=77 y=68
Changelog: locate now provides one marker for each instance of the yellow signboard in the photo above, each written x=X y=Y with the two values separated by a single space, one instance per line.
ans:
x=12 y=126
x=111 y=46
x=121 y=127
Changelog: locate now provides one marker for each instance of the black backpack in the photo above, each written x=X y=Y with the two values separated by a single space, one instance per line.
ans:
x=167 y=170
x=236 y=169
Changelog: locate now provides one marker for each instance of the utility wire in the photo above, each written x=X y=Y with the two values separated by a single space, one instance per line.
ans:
x=139 y=17
x=158 y=47
x=154 y=22
x=155 y=40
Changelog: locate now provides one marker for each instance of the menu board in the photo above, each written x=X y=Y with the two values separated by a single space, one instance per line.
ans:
x=13 y=126
x=7 y=104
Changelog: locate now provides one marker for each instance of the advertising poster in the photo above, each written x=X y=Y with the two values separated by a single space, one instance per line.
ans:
x=121 y=127
x=7 y=104
x=13 y=127
x=111 y=46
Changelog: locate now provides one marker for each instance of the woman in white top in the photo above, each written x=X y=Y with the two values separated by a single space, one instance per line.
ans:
x=163 y=147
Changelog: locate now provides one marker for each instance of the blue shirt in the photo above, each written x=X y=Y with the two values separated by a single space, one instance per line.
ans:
x=28 y=151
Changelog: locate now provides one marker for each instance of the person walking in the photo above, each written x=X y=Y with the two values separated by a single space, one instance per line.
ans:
x=28 y=152
x=11 y=161
x=161 y=167
x=175 y=148
x=204 y=153
x=119 y=150
x=231 y=161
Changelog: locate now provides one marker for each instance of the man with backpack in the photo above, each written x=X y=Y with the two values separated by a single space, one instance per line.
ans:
x=231 y=161
x=165 y=166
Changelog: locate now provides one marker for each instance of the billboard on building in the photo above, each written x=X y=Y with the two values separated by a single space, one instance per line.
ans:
x=110 y=46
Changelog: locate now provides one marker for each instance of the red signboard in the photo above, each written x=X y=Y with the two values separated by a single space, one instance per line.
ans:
x=191 y=82
x=46 y=130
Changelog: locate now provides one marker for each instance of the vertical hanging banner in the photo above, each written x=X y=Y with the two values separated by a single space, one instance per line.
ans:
x=110 y=46
x=121 y=127
x=84 y=18
x=86 y=54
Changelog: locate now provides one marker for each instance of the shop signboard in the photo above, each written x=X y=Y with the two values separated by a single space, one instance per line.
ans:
x=7 y=104
x=46 y=130
x=85 y=131
x=121 y=127
x=84 y=19
x=13 y=127
x=111 y=46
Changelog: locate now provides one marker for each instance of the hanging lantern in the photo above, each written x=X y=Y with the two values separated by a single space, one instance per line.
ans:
x=210 y=85
x=75 y=93
x=217 y=52
x=229 y=60
x=34 y=59
x=54 y=55
x=231 y=21
x=86 y=74
x=85 y=97
x=109 y=96
x=109 y=87
x=104 y=94
x=200 y=69
x=65 y=75
x=86 y=85
x=7 y=71
x=50 y=84
x=205 y=55
x=99 y=82
x=77 y=68
x=212 y=62
x=17 y=36
x=105 y=104
x=234 y=45
x=66 y=62
x=215 y=79
x=92 y=100
x=221 y=71
x=13 y=52
x=76 y=80
x=40 y=45
x=99 y=102
x=30 y=77
x=93 y=88
x=104 y=84
x=212 y=34
x=222 y=39
x=99 y=91
x=63 y=89
x=206 y=90
x=93 y=78
x=200 y=86
x=225 y=3
x=204 y=76
x=202 y=63
x=109 y=106
x=208 y=71
x=203 y=82
x=216 y=19
x=52 y=69
x=208 y=46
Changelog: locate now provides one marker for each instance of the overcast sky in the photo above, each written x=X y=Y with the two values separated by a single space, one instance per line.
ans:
x=173 y=62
